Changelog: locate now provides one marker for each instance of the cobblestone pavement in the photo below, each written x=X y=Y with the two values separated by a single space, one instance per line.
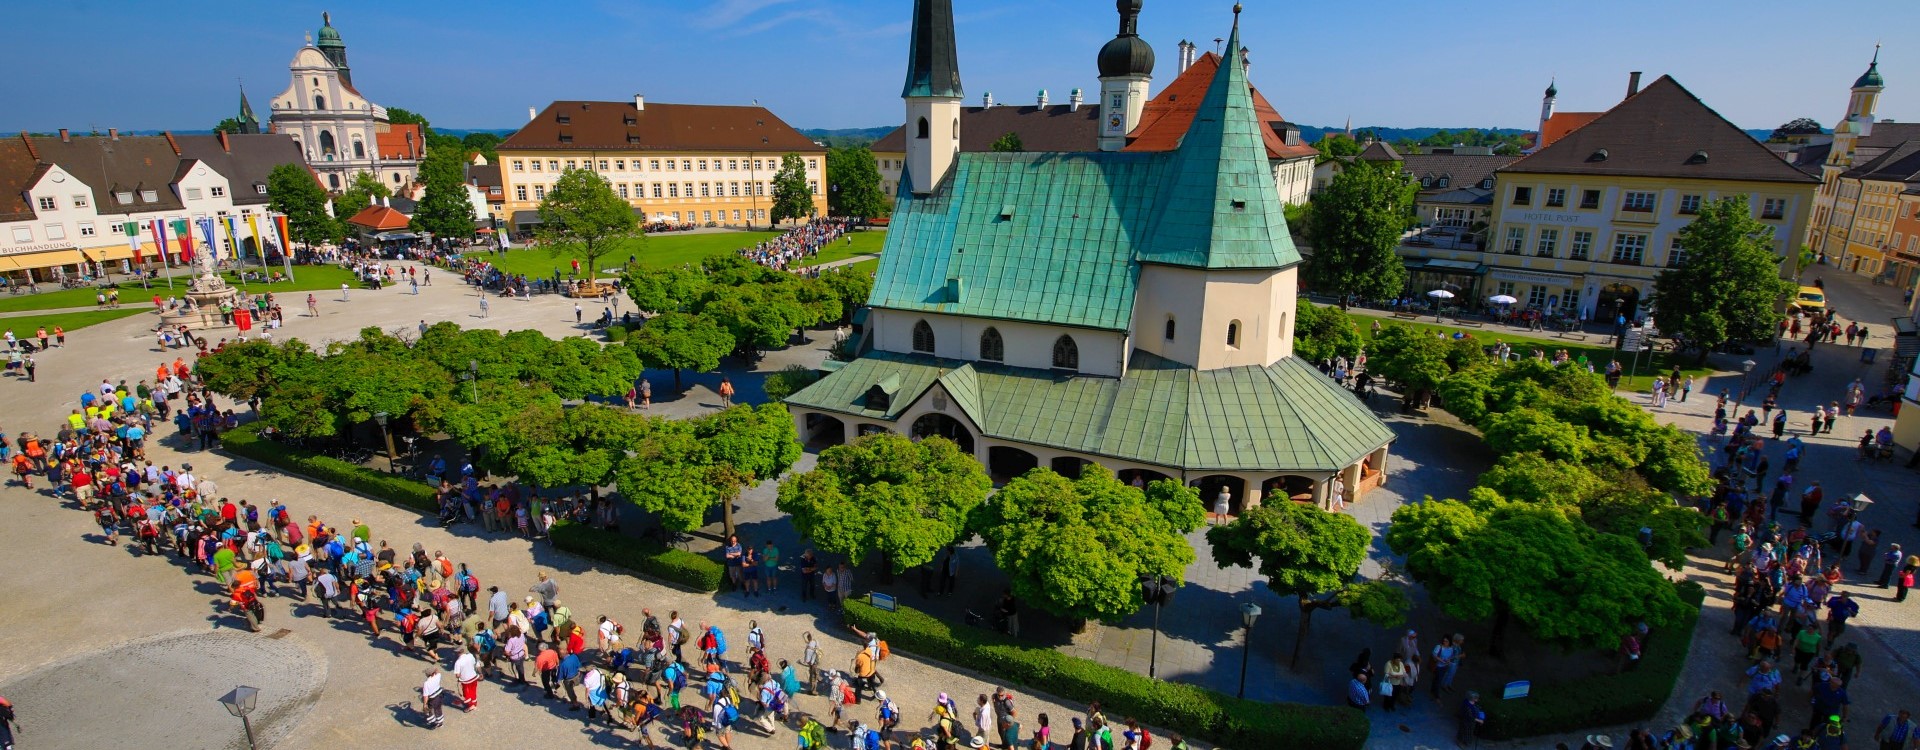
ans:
x=61 y=581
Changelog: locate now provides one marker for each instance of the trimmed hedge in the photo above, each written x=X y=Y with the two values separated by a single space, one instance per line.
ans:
x=1607 y=699
x=406 y=493
x=643 y=556
x=1193 y=711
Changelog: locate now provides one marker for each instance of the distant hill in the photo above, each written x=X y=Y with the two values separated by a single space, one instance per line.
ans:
x=461 y=133
x=845 y=137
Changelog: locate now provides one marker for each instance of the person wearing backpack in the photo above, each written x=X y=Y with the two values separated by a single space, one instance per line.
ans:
x=889 y=713
x=724 y=715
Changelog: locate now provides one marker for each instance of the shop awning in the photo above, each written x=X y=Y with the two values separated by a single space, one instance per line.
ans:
x=49 y=259
x=7 y=263
x=108 y=253
x=526 y=218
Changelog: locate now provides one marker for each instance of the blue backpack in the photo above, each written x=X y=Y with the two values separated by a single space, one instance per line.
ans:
x=677 y=675
x=541 y=621
x=719 y=642
x=732 y=715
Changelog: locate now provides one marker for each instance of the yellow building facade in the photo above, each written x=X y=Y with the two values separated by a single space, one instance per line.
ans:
x=674 y=163
x=1583 y=226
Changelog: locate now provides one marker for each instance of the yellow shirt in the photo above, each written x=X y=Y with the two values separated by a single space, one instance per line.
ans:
x=77 y=421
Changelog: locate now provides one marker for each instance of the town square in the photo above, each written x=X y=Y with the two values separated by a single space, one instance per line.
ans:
x=1136 y=417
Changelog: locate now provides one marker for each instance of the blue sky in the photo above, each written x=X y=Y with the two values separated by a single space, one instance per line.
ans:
x=839 y=63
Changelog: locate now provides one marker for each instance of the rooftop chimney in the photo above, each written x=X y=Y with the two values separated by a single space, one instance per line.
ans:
x=1186 y=55
x=63 y=135
x=987 y=101
x=113 y=134
x=1043 y=97
x=639 y=102
x=1074 y=101
x=1633 y=83
x=224 y=145
x=532 y=113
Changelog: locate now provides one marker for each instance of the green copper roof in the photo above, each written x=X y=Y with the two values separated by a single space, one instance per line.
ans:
x=1220 y=209
x=1287 y=417
x=328 y=37
x=933 y=68
x=1061 y=254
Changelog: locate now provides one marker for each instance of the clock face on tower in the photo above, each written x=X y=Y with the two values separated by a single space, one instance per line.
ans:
x=1115 y=120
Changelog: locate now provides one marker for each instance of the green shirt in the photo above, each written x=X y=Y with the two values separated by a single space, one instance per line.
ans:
x=1808 y=641
x=223 y=559
x=362 y=532
x=771 y=558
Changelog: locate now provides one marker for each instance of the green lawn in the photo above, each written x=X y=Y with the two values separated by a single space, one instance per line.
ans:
x=864 y=243
x=867 y=267
x=1596 y=352
x=131 y=294
x=24 y=326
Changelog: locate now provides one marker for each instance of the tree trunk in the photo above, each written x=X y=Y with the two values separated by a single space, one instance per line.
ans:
x=726 y=514
x=1307 y=606
x=886 y=567
x=676 y=380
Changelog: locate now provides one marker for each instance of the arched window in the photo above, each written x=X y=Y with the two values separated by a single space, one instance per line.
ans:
x=923 y=337
x=319 y=102
x=956 y=129
x=334 y=180
x=1066 y=354
x=1233 y=334
x=1169 y=327
x=359 y=148
x=923 y=128
x=326 y=144
x=992 y=347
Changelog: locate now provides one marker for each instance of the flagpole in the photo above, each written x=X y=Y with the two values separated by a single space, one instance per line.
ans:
x=279 y=222
x=160 y=241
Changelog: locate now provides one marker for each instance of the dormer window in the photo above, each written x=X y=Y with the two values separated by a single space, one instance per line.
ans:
x=922 y=337
x=878 y=399
x=123 y=197
x=1442 y=182
x=564 y=119
x=1066 y=354
x=149 y=196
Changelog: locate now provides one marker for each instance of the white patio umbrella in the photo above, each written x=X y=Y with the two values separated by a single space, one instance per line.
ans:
x=1502 y=299
x=1440 y=294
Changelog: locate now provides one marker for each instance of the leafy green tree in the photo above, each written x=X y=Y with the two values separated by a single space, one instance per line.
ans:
x=855 y=184
x=792 y=196
x=230 y=126
x=789 y=381
x=1565 y=582
x=760 y=317
x=671 y=473
x=1335 y=145
x=1729 y=286
x=1354 y=228
x=679 y=288
x=851 y=286
x=1798 y=126
x=293 y=191
x=681 y=341
x=1077 y=548
x=1415 y=359
x=886 y=494
x=400 y=116
x=583 y=217
x=1310 y=554
x=1323 y=332
x=485 y=144
x=360 y=192
x=1527 y=429
x=247 y=369
x=1008 y=142
x=444 y=210
x=578 y=368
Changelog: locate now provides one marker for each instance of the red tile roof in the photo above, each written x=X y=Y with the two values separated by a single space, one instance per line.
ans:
x=1562 y=123
x=393 y=143
x=660 y=127
x=1166 y=117
x=379 y=218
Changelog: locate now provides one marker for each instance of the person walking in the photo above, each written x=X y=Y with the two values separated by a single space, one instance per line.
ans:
x=1444 y=655
x=578 y=314
x=430 y=694
x=486 y=310
x=313 y=306
x=1471 y=717
x=343 y=291
x=1892 y=560
x=465 y=669
x=1897 y=731
x=31 y=367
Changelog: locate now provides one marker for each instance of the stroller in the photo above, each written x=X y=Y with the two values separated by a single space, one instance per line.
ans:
x=449 y=510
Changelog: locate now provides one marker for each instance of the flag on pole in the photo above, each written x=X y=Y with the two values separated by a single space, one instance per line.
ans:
x=132 y=228
x=207 y=233
x=280 y=226
x=185 y=234
x=233 y=242
x=259 y=242
x=160 y=240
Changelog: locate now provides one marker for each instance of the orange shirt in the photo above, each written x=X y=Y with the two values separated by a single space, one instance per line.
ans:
x=548 y=659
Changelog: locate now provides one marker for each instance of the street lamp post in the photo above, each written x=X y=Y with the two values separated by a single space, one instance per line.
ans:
x=1746 y=385
x=1248 y=613
x=1156 y=590
x=240 y=702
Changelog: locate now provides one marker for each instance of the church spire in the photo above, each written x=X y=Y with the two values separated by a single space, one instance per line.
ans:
x=933 y=68
x=249 y=124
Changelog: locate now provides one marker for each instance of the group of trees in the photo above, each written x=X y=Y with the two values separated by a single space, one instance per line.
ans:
x=853 y=180
x=1562 y=534
x=519 y=404
x=732 y=305
x=1729 y=285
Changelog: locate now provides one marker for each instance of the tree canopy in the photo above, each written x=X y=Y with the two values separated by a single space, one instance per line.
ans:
x=886 y=494
x=445 y=210
x=230 y=126
x=1077 y=548
x=360 y=192
x=400 y=116
x=680 y=341
x=1798 y=126
x=1729 y=286
x=792 y=196
x=292 y=190
x=1311 y=554
x=1008 y=142
x=583 y=217
x=1323 y=332
x=1354 y=229
x=855 y=184
x=1334 y=145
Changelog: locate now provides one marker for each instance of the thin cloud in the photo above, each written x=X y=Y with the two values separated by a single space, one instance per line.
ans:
x=729 y=12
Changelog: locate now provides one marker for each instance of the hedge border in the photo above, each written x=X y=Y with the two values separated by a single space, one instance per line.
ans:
x=650 y=559
x=1193 y=711
x=642 y=556
x=1607 y=699
x=245 y=441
